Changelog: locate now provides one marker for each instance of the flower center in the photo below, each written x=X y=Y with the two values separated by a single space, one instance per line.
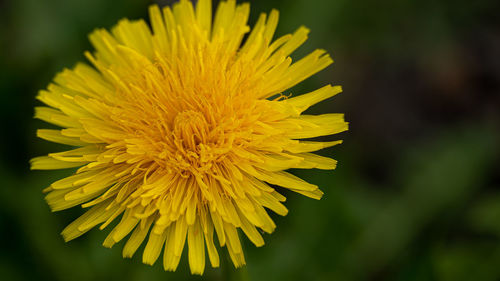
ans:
x=198 y=143
x=190 y=130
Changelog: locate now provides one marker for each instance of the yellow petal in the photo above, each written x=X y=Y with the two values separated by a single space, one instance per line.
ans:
x=313 y=161
x=85 y=222
x=49 y=163
x=304 y=101
x=196 y=253
x=153 y=247
x=56 y=136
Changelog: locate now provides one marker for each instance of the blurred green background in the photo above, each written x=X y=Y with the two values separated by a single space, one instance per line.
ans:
x=416 y=195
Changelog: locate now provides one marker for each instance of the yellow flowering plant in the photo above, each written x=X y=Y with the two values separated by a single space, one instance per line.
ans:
x=181 y=131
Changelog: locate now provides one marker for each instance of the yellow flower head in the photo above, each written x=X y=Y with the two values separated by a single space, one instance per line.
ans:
x=182 y=131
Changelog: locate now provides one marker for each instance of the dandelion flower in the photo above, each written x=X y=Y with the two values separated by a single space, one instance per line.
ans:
x=182 y=132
